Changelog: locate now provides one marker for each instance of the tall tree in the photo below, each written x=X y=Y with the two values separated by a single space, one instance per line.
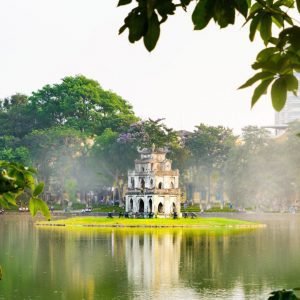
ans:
x=80 y=103
x=15 y=117
x=55 y=154
x=209 y=147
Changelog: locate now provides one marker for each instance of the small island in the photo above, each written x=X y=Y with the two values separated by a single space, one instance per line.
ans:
x=207 y=223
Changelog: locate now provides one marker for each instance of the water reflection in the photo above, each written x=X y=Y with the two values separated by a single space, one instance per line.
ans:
x=153 y=259
x=42 y=263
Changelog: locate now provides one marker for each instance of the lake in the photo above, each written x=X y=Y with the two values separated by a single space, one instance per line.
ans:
x=42 y=263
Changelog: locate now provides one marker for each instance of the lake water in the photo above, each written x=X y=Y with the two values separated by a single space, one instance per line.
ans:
x=41 y=263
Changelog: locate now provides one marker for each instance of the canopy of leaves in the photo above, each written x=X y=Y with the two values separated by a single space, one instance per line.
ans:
x=210 y=145
x=82 y=104
x=276 y=64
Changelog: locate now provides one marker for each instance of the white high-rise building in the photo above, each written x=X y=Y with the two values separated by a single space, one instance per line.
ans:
x=291 y=110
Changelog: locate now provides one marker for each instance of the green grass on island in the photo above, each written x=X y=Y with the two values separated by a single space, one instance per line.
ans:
x=122 y=222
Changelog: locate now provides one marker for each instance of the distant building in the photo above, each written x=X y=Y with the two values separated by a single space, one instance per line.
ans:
x=290 y=112
x=153 y=186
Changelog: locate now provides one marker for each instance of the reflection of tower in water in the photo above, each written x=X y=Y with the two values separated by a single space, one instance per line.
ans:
x=153 y=259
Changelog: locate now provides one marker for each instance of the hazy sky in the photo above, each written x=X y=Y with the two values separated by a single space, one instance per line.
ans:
x=190 y=78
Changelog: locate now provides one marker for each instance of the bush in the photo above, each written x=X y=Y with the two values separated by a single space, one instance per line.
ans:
x=218 y=209
x=78 y=205
x=108 y=208
x=192 y=208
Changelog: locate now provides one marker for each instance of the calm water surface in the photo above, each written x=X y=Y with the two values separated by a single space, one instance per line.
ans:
x=40 y=263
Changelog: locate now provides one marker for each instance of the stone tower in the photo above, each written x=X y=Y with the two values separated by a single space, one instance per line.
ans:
x=153 y=186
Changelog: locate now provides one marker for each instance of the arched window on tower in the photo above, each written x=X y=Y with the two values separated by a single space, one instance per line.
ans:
x=150 y=205
x=160 y=185
x=131 y=205
x=141 y=205
x=142 y=183
x=160 y=208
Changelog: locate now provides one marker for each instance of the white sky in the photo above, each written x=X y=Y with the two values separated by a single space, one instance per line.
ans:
x=190 y=78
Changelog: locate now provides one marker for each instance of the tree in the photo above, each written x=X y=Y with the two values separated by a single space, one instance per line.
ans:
x=243 y=170
x=13 y=101
x=12 y=150
x=15 y=117
x=258 y=172
x=82 y=104
x=55 y=152
x=209 y=147
x=276 y=64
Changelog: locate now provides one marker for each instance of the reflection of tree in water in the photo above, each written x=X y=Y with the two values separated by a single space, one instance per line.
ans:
x=153 y=259
x=61 y=264
x=240 y=262
x=91 y=262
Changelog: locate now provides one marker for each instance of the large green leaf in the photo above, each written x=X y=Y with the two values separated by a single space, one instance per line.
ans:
x=255 y=7
x=298 y=5
x=260 y=90
x=38 y=189
x=3 y=202
x=266 y=28
x=279 y=93
x=29 y=179
x=153 y=31
x=36 y=204
x=278 y=20
x=291 y=83
x=242 y=7
x=124 y=2
x=266 y=53
x=202 y=13
x=10 y=198
x=224 y=13
x=254 y=26
x=166 y=7
x=137 y=26
x=256 y=77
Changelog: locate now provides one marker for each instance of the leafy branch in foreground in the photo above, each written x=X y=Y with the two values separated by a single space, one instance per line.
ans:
x=284 y=295
x=276 y=65
x=16 y=179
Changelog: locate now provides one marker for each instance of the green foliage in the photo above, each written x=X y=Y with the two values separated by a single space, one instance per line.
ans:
x=15 y=179
x=80 y=103
x=221 y=210
x=192 y=208
x=71 y=187
x=262 y=172
x=209 y=147
x=283 y=295
x=75 y=206
x=108 y=208
x=13 y=101
x=276 y=64
x=38 y=189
